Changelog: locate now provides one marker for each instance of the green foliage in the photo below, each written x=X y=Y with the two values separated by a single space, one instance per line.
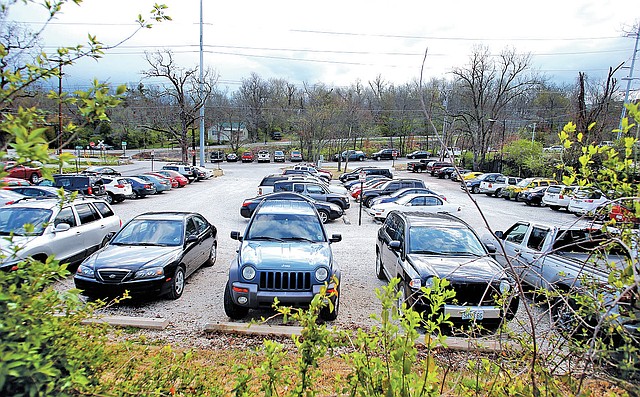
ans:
x=45 y=349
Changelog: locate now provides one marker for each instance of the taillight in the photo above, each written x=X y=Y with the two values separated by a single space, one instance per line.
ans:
x=561 y=197
x=588 y=201
x=120 y=186
x=147 y=186
x=259 y=191
x=90 y=190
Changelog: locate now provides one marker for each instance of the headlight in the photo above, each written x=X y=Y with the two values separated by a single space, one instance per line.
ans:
x=429 y=282
x=248 y=272
x=505 y=286
x=150 y=272
x=85 y=271
x=322 y=273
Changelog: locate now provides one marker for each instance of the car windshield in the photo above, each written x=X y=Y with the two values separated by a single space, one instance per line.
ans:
x=15 y=220
x=524 y=182
x=444 y=241
x=150 y=232
x=286 y=227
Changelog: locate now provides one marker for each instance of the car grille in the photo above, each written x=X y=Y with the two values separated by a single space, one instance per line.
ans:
x=113 y=275
x=475 y=294
x=285 y=281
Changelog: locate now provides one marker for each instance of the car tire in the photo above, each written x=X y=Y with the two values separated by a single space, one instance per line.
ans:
x=233 y=311
x=377 y=158
x=177 y=284
x=324 y=216
x=447 y=176
x=475 y=190
x=34 y=178
x=213 y=255
x=498 y=193
x=379 y=271
x=554 y=207
x=326 y=314
x=361 y=158
x=109 y=198
x=367 y=202
x=401 y=290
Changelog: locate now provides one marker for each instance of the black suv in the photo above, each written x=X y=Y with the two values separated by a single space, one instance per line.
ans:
x=88 y=185
x=387 y=188
x=315 y=190
x=415 y=247
x=349 y=176
x=285 y=253
x=216 y=156
x=385 y=154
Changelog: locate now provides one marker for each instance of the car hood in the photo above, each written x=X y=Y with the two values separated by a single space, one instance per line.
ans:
x=457 y=268
x=289 y=255
x=7 y=248
x=132 y=257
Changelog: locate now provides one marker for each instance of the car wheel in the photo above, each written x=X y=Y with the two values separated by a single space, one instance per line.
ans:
x=109 y=198
x=360 y=158
x=377 y=158
x=177 y=284
x=498 y=193
x=475 y=190
x=35 y=178
x=379 y=271
x=566 y=320
x=213 y=254
x=324 y=216
x=105 y=241
x=367 y=202
x=527 y=203
x=326 y=313
x=554 y=207
x=232 y=310
x=447 y=176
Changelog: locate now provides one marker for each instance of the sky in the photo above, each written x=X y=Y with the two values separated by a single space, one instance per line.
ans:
x=340 y=42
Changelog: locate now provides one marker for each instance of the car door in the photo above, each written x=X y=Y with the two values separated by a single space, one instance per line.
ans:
x=316 y=192
x=390 y=258
x=67 y=245
x=91 y=226
x=530 y=253
x=193 y=250
x=513 y=239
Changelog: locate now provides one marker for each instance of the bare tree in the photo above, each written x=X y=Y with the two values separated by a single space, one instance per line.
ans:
x=183 y=96
x=252 y=97
x=488 y=85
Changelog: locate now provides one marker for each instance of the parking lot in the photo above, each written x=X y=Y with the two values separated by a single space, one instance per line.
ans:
x=219 y=200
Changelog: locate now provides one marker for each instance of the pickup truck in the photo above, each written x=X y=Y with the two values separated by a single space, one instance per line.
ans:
x=561 y=259
x=495 y=187
x=418 y=166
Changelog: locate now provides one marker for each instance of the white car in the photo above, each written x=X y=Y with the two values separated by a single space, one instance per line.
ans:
x=71 y=232
x=207 y=173
x=418 y=202
x=586 y=202
x=558 y=196
x=118 y=189
x=264 y=156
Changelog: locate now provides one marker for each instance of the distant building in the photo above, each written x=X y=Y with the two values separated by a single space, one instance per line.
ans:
x=223 y=132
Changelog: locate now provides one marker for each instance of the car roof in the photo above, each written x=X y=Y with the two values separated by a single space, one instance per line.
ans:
x=432 y=219
x=48 y=203
x=273 y=205
x=165 y=215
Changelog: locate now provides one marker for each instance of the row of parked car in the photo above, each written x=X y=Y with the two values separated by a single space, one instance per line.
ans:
x=261 y=156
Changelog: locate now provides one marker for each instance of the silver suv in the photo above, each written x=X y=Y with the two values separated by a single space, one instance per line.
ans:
x=71 y=231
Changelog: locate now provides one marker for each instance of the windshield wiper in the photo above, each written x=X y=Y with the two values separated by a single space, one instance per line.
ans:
x=266 y=238
x=300 y=239
x=427 y=252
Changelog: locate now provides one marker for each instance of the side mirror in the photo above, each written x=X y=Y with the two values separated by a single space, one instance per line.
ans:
x=335 y=238
x=61 y=227
x=499 y=235
x=236 y=236
x=395 y=245
x=192 y=238
x=491 y=248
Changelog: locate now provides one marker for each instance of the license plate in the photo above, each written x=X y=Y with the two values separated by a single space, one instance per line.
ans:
x=473 y=314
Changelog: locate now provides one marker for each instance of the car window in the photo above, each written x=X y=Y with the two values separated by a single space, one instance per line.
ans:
x=285 y=226
x=86 y=213
x=314 y=189
x=201 y=224
x=517 y=232
x=191 y=227
x=450 y=240
x=104 y=209
x=416 y=202
x=65 y=216
x=430 y=201
x=298 y=188
x=12 y=220
x=536 y=238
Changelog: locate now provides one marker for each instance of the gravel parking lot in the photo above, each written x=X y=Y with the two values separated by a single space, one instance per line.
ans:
x=219 y=200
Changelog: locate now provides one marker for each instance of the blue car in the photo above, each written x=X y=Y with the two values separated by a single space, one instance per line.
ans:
x=140 y=187
x=388 y=198
x=161 y=185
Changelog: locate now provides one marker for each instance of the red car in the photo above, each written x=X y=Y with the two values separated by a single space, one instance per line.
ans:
x=247 y=157
x=625 y=212
x=15 y=170
x=182 y=180
x=173 y=181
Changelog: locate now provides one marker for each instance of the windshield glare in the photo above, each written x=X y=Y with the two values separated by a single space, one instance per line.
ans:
x=286 y=226
x=150 y=232
x=13 y=220
x=424 y=239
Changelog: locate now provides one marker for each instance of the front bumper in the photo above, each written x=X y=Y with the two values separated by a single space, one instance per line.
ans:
x=94 y=288
x=264 y=299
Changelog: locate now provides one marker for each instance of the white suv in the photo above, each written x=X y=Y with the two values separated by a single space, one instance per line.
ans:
x=71 y=232
x=185 y=170
x=118 y=189
x=264 y=156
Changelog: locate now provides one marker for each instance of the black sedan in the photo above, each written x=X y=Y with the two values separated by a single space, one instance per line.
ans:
x=419 y=154
x=151 y=255
x=327 y=211
x=140 y=187
x=533 y=196
x=100 y=170
x=416 y=247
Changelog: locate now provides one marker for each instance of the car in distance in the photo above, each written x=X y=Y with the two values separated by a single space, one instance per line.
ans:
x=180 y=178
x=166 y=177
x=387 y=198
x=349 y=176
x=419 y=154
x=287 y=232
x=22 y=171
x=247 y=157
x=296 y=156
x=385 y=154
x=232 y=158
x=35 y=191
x=161 y=184
x=71 y=231
x=533 y=196
x=264 y=156
x=151 y=255
x=417 y=247
x=182 y=169
x=100 y=170
x=140 y=187
x=118 y=189
x=326 y=211
x=416 y=202
x=315 y=190
x=216 y=156
x=278 y=156
x=84 y=184
x=351 y=155
x=7 y=197
x=512 y=191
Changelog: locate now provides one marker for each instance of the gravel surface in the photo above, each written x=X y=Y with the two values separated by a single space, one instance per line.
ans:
x=219 y=200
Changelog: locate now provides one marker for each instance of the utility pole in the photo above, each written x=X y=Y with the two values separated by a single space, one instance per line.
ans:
x=202 y=140
x=60 y=116
x=629 y=80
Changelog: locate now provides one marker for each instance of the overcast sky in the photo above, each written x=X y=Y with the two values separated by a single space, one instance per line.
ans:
x=340 y=42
